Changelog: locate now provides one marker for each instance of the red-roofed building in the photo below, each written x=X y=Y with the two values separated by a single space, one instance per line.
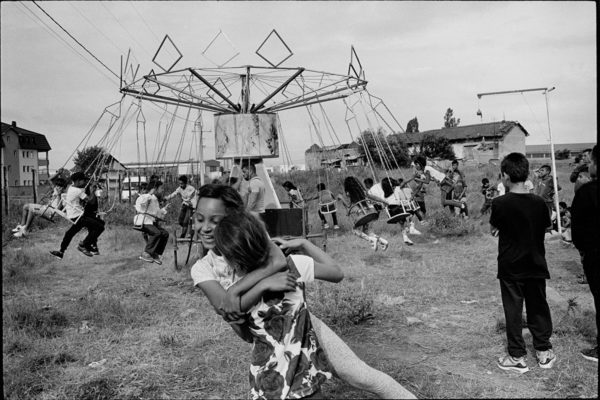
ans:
x=21 y=155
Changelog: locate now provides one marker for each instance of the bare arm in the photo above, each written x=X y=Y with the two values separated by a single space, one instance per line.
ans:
x=326 y=268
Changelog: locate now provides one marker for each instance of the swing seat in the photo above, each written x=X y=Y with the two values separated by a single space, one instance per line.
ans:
x=327 y=208
x=402 y=211
x=363 y=212
x=138 y=228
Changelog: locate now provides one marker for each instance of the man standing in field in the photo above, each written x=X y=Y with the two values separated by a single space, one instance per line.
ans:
x=521 y=220
x=255 y=202
x=585 y=231
x=581 y=173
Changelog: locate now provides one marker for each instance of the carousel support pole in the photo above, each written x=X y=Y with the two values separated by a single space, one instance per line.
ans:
x=553 y=158
x=33 y=186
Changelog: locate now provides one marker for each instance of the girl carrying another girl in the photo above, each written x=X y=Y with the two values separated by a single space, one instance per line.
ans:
x=225 y=288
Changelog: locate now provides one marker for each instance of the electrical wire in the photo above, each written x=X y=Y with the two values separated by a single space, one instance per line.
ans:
x=76 y=41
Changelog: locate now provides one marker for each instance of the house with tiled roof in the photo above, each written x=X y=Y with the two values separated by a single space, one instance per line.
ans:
x=479 y=142
x=22 y=154
x=335 y=156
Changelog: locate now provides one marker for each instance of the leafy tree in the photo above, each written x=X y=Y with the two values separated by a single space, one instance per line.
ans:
x=449 y=120
x=434 y=146
x=412 y=126
x=92 y=159
x=562 y=154
x=385 y=151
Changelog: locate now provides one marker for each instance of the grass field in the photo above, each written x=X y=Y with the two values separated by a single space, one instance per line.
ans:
x=429 y=315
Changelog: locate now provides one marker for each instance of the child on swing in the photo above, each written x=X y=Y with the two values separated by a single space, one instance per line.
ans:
x=356 y=193
x=188 y=203
x=296 y=200
x=326 y=198
x=147 y=218
x=223 y=287
x=54 y=207
x=459 y=194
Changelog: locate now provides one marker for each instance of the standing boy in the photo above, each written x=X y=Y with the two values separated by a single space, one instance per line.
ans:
x=585 y=229
x=255 y=198
x=188 y=203
x=521 y=219
x=545 y=187
x=489 y=192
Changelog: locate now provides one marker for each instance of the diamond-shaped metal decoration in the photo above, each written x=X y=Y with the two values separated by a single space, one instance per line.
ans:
x=355 y=69
x=221 y=87
x=166 y=53
x=274 y=47
x=220 y=50
x=114 y=109
x=150 y=86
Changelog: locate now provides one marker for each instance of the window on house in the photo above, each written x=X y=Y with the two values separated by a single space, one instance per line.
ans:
x=23 y=168
x=23 y=154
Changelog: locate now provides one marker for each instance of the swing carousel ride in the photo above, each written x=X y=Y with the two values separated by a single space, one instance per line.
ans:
x=245 y=102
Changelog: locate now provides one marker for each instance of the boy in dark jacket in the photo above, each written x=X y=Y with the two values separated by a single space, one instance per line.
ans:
x=585 y=230
x=521 y=220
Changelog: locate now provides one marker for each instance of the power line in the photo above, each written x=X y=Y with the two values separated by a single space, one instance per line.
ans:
x=76 y=41
x=58 y=37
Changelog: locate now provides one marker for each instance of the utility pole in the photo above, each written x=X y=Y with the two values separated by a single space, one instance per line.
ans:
x=552 y=157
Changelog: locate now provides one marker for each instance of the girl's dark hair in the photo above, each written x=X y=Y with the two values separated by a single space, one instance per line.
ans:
x=354 y=189
x=421 y=160
x=387 y=184
x=184 y=179
x=228 y=195
x=289 y=185
x=154 y=185
x=485 y=180
x=516 y=166
x=243 y=240
x=321 y=186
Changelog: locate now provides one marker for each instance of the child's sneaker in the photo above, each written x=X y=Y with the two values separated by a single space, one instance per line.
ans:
x=57 y=253
x=325 y=226
x=407 y=240
x=157 y=260
x=510 y=363
x=383 y=244
x=146 y=257
x=84 y=251
x=412 y=230
x=21 y=233
x=17 y=229
x=590 y=354
x=546 y=358
x=374 y=239
x=94 y=250
x=336 y=227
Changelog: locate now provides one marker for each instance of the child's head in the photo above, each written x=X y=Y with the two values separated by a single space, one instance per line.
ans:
x=321 y=186
x=515 y=167
x=183 y=180
x=459 y=186
x=289 y=186
x=354 y=189
x=388 y=184
x=242 y=239
x=454 y=164
x=544 y=171
x=157 y=186
x=562 y=206
x=593 y=167
x=368 y=183
x=214 y=203
x=485 y=181
x=420 y=162
x=143 y=187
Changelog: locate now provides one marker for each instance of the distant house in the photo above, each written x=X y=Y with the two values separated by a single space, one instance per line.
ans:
x=211 y=166
x=336 y=156
x=542 y=151
x=21 y=155
x=479 y=142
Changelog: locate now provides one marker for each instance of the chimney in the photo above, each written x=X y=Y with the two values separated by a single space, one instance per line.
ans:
x=14 y=124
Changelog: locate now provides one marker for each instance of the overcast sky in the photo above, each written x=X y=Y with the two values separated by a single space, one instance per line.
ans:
x=419 y=57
